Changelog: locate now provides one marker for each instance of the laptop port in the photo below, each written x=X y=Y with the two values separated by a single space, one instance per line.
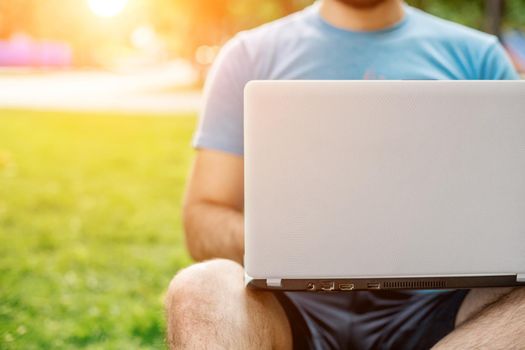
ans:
x=327 y=286
x=346 y=286
x=310 y=287
x=373 y=285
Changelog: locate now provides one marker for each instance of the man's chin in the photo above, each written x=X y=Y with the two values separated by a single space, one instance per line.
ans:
x=362 y=4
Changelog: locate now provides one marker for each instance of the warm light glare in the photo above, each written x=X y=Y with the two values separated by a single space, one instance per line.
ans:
x=107 y=8
x=206 y=54
x=143 y=37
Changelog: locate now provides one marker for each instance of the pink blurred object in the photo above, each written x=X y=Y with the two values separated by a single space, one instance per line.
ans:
x=22 y=51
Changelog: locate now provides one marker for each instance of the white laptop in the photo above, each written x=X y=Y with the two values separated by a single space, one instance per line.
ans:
x=355 y=185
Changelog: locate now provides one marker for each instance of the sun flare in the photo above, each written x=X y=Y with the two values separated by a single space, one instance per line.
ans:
x=107 y=8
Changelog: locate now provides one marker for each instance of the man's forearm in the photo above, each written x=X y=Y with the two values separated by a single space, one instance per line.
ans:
x=214 y=231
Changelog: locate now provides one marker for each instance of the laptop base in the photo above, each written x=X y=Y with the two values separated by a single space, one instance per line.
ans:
x=351 y=284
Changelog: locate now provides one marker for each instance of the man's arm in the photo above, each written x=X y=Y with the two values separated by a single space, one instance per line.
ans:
x=213 y=207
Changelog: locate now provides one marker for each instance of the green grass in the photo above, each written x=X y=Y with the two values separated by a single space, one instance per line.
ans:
x=90 y=231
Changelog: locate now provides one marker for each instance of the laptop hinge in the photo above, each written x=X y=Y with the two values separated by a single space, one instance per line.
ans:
x=520 y=277
x=274 y=282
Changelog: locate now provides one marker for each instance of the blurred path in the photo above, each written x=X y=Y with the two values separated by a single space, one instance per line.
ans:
x=148 y=91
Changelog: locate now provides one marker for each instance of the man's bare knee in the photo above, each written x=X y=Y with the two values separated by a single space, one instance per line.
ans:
x=203 y=283
x=517 y=297
x=193 y=295
x=208 y=303
x=477 y=300
x=204 y=276
x=495 y=323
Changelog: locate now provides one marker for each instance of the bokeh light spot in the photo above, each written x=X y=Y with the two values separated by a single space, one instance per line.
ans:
x=107 y=8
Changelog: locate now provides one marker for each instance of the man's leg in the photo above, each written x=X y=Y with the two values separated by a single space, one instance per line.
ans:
x=208 y=307
x=489 y=318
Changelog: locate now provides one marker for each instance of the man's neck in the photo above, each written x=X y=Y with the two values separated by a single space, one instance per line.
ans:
x=348 y=17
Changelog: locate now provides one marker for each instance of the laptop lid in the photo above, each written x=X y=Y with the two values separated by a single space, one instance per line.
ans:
x=375 y=181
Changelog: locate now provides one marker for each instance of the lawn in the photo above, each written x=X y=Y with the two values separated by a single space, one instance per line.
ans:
x=90 y=229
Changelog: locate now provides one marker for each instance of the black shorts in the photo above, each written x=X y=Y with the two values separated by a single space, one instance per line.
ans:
x=370 y=320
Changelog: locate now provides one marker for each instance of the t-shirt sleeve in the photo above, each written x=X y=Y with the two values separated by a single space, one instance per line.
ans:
x=221 y=119
x=497 y=64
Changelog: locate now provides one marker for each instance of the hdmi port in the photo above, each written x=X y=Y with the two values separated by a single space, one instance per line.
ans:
x=346 y=286
x=373 y=285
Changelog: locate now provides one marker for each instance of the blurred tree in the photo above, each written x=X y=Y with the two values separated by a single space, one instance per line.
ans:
x=494 y=16
x=470 y=13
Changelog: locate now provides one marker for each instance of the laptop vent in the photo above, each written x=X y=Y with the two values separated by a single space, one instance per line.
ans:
x=415 y=284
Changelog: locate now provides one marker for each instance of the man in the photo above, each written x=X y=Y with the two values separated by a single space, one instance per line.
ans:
x=207 y=304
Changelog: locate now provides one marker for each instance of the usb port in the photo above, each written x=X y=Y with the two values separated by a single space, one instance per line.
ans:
x=346 y=286
x=373 y=285
x=327 y=286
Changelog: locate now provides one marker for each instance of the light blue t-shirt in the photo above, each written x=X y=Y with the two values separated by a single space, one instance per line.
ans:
x=305 y=46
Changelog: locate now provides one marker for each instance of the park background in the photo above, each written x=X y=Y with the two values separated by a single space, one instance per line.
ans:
x=98 y=103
